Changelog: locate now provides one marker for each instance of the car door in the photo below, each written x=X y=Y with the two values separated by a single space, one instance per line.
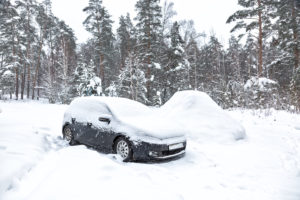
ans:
x=96 y=130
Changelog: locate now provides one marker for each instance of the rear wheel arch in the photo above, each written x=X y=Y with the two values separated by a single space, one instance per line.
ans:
x=72 y=141
x=65 y=125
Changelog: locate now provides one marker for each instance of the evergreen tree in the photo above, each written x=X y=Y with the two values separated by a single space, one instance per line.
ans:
x=10 y=46
x=99 y=24
x=234 y=68
x=148 y=29
x=250 y=58
x=132 y=82
x=176 y=70
x=214 y=71
x=27 y=9
x=127 y=38
x=256 y=15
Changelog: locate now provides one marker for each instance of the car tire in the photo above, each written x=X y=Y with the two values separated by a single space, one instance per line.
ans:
x=68 y=135
x=123 y=148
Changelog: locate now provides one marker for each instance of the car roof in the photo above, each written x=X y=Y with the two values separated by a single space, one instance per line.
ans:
x=119 y=107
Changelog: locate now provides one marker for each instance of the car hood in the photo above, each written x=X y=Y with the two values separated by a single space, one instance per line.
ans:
x=152 y=126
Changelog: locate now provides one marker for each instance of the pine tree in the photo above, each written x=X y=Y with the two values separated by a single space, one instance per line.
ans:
x=99 y=24
x=42 y=20
x=84 y=74
x=234 y=68
x=65 y=53
x=214 y=70
x=148 y=29
x=176 y=69
x=126 y=38
x=27 y=9
x=250 y=57
x=256 y=15
x=132 y=81
x=10 y=47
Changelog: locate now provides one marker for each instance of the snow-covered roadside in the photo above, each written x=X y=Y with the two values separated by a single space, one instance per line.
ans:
x=37 y=164
x=27 y=132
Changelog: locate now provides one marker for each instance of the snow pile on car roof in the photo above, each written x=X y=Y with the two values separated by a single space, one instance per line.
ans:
x=202 y=118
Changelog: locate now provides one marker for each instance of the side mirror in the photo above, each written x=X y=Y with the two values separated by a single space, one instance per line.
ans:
x=104 y=119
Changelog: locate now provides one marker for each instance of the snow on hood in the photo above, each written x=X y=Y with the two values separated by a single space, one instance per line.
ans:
x=143 y=120
x=202 y=117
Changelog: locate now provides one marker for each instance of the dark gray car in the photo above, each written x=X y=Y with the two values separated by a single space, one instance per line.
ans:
x=114 y=125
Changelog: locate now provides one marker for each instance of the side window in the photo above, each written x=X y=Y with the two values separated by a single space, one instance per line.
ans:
x=91 y=113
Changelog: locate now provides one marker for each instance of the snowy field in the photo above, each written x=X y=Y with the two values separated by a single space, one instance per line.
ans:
x=35 y=163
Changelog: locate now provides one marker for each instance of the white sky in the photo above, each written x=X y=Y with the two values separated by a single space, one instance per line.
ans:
x=209 y=15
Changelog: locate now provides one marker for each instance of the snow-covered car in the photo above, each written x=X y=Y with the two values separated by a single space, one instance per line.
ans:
x=122 y=126
x=202 y=118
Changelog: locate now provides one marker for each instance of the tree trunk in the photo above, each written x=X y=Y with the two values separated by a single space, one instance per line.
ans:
x=28 y=53
x=102 y=72
x=295 y=35
x=23 y=76
x=17 y=83
x=148 y=74
x=28 y=81
x=1 y=66
x=260 y=61
x=132 y=86
x=36 y=76
x=37 y=67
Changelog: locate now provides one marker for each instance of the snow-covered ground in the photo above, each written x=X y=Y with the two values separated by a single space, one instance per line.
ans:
x=35 y=163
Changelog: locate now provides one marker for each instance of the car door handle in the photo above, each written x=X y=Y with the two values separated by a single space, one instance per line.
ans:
x=89 y=124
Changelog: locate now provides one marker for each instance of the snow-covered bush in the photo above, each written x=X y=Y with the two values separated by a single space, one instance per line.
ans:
x=233 y=97
x=88 y=83
x=295 y=88
x=112 y=90
x=7 y=84
x=93 y=87
x=261 y=93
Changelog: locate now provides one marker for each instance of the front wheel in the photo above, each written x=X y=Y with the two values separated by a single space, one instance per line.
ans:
x=68 y=135
x=123 y=148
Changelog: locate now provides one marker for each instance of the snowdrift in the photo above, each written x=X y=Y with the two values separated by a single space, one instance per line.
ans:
x=202 y=118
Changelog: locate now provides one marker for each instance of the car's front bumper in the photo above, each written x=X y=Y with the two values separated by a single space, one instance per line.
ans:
x=151 y=151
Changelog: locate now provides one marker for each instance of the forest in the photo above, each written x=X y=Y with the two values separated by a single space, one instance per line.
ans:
x=150 y=56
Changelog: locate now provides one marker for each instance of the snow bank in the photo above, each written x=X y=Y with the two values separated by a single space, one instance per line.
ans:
x=34 y=165
x=24 y=138
x=202 y=118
